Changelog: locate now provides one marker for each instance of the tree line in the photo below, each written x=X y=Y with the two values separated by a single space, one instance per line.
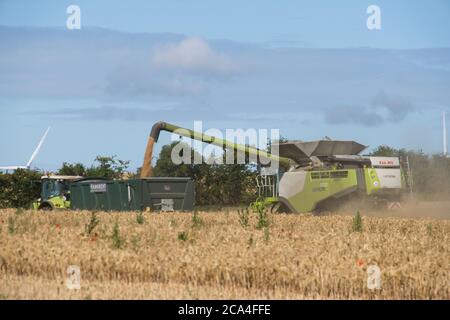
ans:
x=215 y=184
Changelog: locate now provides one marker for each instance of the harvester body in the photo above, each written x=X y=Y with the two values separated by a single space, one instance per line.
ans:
x=311 y=173
x=303 y=190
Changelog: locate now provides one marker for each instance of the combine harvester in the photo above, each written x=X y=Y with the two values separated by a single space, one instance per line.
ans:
x=312 y=175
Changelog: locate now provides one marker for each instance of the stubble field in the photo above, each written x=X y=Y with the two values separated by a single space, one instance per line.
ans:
x=221 y=255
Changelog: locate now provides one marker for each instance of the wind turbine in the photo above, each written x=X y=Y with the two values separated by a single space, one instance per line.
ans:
x=28 y=165
x=444 y=135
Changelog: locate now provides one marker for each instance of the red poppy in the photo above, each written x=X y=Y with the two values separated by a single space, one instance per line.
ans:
x=360 y=262
x=58 y=226
x=94 y=238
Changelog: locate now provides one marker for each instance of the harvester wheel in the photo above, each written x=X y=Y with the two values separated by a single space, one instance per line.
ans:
x=275 y=207
x=279 y=207
x=45 y=207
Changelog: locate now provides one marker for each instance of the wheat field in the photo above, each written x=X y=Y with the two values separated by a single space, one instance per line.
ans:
x=221 y=255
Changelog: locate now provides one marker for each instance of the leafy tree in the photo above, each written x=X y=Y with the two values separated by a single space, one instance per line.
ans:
x=385 y=151
x=107 y=167
x=165 y=167
x=20 y=188
x=76 y=169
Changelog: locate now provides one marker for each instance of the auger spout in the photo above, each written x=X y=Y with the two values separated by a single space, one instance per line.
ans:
x=146 y=170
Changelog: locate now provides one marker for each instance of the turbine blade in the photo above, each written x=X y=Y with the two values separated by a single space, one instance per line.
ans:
x=37 y=148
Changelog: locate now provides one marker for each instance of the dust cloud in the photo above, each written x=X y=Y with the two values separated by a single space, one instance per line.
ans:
x=408 y=209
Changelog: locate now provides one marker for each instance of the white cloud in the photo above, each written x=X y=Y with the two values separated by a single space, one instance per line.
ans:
x=193 y=55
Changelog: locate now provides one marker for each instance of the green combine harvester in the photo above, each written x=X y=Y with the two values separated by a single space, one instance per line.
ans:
x=312 y=175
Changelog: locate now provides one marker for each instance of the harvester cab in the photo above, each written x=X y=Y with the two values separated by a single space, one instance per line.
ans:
x=55 y=192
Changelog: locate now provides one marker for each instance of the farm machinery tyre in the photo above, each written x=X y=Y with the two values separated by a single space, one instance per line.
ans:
x=46 y=207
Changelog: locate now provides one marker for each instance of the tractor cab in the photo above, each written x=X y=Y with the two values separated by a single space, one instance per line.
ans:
x=55 y=192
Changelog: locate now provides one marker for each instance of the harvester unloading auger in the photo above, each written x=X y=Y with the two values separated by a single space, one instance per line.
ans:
x=311 y=174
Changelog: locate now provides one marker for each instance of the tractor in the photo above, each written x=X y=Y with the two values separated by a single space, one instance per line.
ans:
x=55 y=192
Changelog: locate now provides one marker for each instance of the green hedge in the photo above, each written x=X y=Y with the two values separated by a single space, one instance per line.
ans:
x=19 y=189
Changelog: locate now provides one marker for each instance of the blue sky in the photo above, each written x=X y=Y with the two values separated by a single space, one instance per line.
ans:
x=405 y=24
x=310 y=68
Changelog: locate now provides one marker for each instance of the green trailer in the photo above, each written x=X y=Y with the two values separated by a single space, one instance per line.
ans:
x=154 y=194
